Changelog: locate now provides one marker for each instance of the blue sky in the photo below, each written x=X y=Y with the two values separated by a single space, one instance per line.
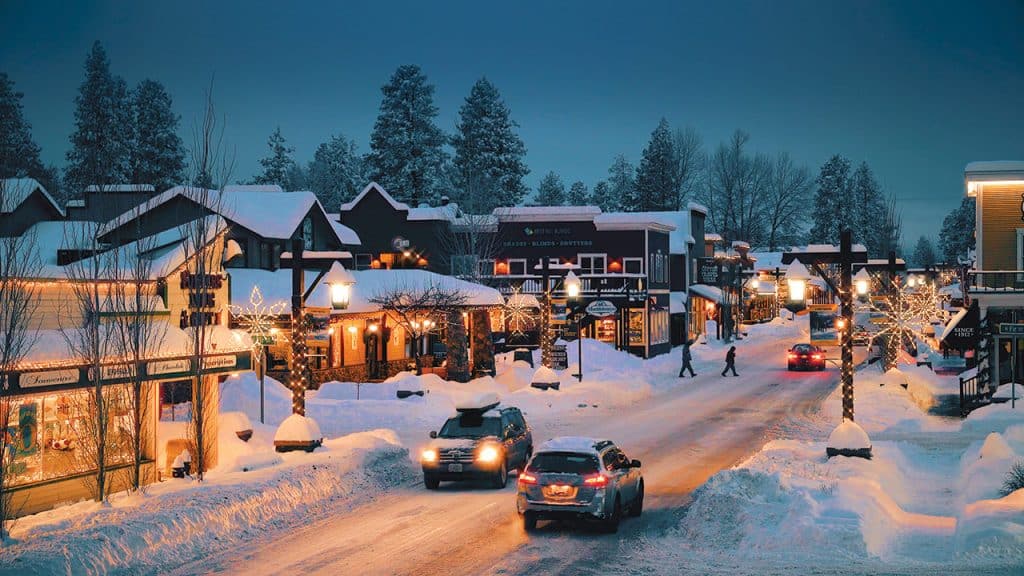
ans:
x=917 y=89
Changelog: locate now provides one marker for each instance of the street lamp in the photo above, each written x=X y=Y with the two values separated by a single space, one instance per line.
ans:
x=797 y=277
x=572 y=292
x=862 y=282
x=340 y=282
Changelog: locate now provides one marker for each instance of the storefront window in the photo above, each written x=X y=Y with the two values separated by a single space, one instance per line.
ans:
x=54 y=435
x=660 y=326
x=636 y=328
x=176 y=401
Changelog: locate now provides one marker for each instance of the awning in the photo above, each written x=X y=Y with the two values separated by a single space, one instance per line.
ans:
x=712 y=293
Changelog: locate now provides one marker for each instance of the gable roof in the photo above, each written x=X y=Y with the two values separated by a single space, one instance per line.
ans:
x=269 y=213
x=17 y=190
x=351 y=204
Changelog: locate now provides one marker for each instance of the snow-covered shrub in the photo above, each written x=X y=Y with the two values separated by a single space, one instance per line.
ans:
x=1014 y=479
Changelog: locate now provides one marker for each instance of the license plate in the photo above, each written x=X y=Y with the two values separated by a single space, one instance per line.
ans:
x=455 y=467
x=558 y=490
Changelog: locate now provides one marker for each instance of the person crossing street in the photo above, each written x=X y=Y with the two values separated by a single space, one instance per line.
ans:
x=687 y=361
x=730 y=361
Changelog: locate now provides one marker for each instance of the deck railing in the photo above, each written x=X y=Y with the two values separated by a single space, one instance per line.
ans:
x=995 y=281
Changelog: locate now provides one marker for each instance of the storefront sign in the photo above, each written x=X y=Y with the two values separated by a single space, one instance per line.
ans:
x=601 y=308
x=823 y=324
x=158 y=367
x=708 y=271
x=559 y=358
x=559 y=311
x=399 y=244
x=49 y=378
x=214 y=362
x=117 y=372
x=1010 y=329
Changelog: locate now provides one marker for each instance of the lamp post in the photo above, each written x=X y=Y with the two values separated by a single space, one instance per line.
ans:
x=572 y=292
x=796 y=278
x=862 y=283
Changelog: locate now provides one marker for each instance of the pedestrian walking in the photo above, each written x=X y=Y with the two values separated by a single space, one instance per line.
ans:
x=730 y=361
x=687 y=361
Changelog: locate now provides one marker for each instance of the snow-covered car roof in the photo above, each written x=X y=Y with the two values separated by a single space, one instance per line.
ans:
x=582 y=444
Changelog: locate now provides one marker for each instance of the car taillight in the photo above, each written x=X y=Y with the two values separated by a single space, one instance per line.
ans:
x=597 y=481
x=816 y=356
x=525 y=478
x=791 y=355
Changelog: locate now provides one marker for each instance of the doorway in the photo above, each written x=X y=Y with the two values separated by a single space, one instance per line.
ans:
x=1010 y=359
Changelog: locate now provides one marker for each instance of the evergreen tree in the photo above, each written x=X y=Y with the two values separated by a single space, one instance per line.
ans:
x=655 y=187
x=957 y=235
x=296 y=177
x=578 y=194
x=621 y=182
x=406 y=154
x=602 y=196
x=924 y=252
x=831 y=200
x=336 y=173
x=158 y=156
x=101 y=144
x=19 y=154
x=551 y=191
x=487 y=149
x=276 y=166
x=868 y=210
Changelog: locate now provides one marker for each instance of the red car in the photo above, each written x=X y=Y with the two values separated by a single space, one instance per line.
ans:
x=806 y=357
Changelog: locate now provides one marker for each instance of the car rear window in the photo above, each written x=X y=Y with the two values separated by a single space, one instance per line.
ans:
x=803 y=348
x=470 y=425
x=566 y=462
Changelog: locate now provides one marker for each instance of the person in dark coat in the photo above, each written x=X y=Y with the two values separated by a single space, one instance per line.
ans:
x=730 y=361
x=687 y=359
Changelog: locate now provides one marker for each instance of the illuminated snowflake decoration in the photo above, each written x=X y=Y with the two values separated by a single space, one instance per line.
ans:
x=257 y=318
x=517 y=313
x=905 y=310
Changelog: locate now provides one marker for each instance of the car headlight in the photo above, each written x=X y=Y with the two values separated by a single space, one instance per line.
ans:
x=429 y=455
x=488 y=454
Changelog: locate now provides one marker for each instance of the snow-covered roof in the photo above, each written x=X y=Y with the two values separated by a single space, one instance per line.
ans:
x=737 y=244
x=953 y=291
x=277 y=285
x=995 y=167
x=319 y=254
x=580 y=444
x=712 y=293
x=345 y=234
x=676 y=223
x=17 y=190
x=120 y=188
x=165 y=251
x=712 y=237
x=694 y=206
x=269 y=213
x=449 y=212
x=767 y=260
x=825 y=249
x=546 y=213
x=253 y=188
x=373 y=186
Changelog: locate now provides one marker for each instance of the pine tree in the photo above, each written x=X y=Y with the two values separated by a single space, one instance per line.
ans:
x=406 y=147
x=957 y=235
x=19 y=154
x=276 y=166
x=101 y=144
x=158 y=156
x=868 y=210
x=924 y=252
x=336 y=173
x=831 y=200
x=621 y=182
x=602 y=196
x=656 y=177
x=488 y=150
x=551 y=191
x=578 y=194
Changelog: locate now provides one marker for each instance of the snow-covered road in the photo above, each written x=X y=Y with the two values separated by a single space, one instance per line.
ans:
x=683 y=436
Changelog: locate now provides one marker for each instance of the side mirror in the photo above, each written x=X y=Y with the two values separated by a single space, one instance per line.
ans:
x=433 y=433
x=634 y=464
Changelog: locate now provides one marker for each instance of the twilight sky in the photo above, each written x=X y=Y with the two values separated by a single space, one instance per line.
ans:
x=917 y=89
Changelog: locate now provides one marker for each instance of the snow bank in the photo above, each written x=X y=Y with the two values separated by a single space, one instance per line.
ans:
x=992 y=527
x=849 y=436
x=180 y=521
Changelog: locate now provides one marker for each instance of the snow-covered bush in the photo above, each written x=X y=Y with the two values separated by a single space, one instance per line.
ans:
x=1014 y=479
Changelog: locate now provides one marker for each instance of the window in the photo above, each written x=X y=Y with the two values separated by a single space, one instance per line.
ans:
x=517 y=266
x=635 y=326
x=660 y=326
x=633 y=265
x=592 y=263
x=485 y=267
x=307 y=233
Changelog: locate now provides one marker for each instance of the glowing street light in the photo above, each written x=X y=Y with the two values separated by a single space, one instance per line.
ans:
x=340 y=282
x=797 y=277
x=572 y=285
x=862 y=283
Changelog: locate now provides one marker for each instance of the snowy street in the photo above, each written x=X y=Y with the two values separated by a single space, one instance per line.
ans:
x=682 y=436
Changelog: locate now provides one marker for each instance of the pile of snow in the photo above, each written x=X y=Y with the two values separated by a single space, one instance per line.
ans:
x=545 y=377
x=298 y=428
x=849 y=436
x=1009 y=391
x=478 y=402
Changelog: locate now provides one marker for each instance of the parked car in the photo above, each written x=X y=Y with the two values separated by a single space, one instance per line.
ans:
x=860 y=336
x=572 y=478
x=806 y=357
x=481 y=441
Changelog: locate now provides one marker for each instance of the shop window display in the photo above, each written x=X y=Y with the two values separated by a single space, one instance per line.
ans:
x=50 y=436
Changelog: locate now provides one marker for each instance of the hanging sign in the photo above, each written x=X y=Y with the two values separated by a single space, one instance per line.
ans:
x=117 y=371
x=708 y=271
x=823 y=324
x=601 y=308
x=48 y=378
x=214 y=362
x=1011 y=329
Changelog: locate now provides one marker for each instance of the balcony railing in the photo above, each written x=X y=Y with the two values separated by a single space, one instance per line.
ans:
x=1008 y=281
x=590 y=284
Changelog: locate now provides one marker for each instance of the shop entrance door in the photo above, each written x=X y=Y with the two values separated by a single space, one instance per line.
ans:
x=1010 y=359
